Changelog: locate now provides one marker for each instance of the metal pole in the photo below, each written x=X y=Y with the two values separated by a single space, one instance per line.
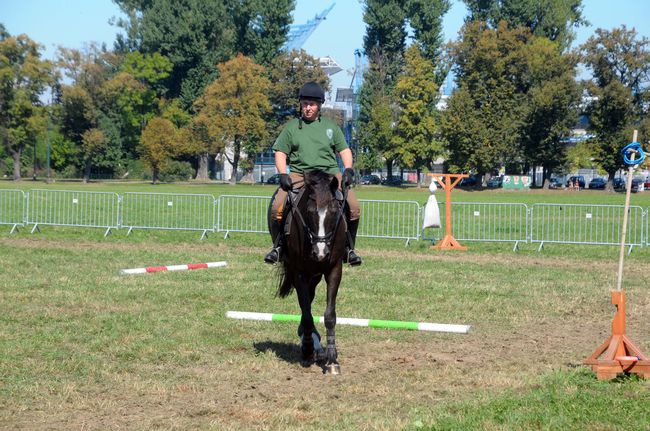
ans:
x=628 y=189
x=49 y=146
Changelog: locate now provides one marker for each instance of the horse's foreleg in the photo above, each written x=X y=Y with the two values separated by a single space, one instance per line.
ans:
x=333 y=279
x=304 y=294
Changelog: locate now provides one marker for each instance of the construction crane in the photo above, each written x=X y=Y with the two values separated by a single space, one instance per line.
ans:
x=299 y=33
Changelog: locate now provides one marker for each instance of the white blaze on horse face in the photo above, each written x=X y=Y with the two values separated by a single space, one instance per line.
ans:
x=321 y=231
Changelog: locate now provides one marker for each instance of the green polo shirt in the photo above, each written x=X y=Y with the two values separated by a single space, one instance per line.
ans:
x=314 y=146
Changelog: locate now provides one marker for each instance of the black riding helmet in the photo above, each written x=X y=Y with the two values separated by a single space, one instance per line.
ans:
x=312 y=91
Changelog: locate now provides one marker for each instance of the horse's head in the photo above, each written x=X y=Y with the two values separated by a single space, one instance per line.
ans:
x=322 y=213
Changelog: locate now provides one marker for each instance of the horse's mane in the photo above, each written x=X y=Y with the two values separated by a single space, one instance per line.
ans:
x=318 y=185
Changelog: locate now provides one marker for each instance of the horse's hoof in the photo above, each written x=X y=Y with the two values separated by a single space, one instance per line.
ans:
x=333 y=369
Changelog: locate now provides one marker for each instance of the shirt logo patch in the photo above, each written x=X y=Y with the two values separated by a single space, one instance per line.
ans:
x=329 y=133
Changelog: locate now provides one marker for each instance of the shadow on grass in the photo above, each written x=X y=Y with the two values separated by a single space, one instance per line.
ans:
x=288 y=352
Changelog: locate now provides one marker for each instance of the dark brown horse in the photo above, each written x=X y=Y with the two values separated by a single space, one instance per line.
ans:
x=315 y=238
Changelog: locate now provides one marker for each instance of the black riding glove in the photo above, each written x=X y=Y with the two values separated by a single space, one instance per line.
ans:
x=285 y=182
x=348 y=177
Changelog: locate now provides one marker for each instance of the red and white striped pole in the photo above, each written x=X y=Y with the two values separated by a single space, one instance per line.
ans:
x=187 y=267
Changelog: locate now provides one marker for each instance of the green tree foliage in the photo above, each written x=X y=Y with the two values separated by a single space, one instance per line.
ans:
x=384 y=44
x=233 y=108
x=553 y=19
x=198 y=34
x=417 y=138
x=553 y=99
x=483 y=120
x=261 y=27
x=23 y=78
x=425 y=18
x=158 y=142
x=93 y=142
x=517 y=99
x=84 y=107
x=620 y=64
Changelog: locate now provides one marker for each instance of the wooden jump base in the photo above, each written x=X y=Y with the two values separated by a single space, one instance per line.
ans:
x=383 y=324
x=448 y=182
x=187 y=267
x=619 y=354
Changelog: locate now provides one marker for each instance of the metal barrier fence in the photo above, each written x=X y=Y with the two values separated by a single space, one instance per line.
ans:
x=586 y=224
x=488 y=222
x=168 y=211
x=380 y=219
x=12 y=208
x=390 y=219
x=242 y=214
x=72 y=208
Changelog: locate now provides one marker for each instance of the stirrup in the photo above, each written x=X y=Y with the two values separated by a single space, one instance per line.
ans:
x=272 y=256
x=352 y=258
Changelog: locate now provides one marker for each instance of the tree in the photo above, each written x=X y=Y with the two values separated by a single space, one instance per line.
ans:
x=233 y=108
x=417 y=138
x=198 y=34
x=158 y=144
x=425 y=18
x=483 y=120
x=384 y=44
x=553 y=19
x=553 y=98
x=620 y=64
x=93 y=142
x=261 y=27
x=23 y=78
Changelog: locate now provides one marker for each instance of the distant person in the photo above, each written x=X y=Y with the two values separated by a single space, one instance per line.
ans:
x=309 y=143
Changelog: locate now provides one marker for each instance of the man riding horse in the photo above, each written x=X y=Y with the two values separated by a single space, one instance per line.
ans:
x=309 y=143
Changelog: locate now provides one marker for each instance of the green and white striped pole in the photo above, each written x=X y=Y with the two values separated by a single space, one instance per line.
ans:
x=372 y=323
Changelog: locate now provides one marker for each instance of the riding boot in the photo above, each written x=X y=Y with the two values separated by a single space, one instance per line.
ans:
x=350 y=256
x=273 y=256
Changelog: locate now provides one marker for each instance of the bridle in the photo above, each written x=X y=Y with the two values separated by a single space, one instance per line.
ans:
x=315 y=239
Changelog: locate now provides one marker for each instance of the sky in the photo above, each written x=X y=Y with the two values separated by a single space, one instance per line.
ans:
x=74 y=23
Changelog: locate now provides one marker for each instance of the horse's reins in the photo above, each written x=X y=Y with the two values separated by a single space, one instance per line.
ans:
x=313 y=238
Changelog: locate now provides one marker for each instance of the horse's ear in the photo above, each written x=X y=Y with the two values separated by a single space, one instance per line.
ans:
x=334 y=184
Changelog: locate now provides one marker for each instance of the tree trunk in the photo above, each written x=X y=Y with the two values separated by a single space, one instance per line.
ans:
x=202 y=171
x=235 y=164
x=87 y=167
x=155 y=172
x=419 y=171
x=15 y=154
x=389 y=168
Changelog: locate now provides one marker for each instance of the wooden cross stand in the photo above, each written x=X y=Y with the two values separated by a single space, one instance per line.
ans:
x=448 y=182
x=619 y=354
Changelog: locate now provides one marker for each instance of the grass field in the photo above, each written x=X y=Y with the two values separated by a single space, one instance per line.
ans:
x=83 y=348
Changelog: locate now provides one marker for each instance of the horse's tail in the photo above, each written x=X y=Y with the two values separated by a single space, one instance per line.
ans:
x=286 y=285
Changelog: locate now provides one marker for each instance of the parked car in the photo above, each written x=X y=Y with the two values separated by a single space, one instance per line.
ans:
x=598 y=183
x=576 y=178
x=555 y=183
x=619 y=184
x=468 y=182
x=495 y=182
x=638 y=185
x=273 y=179
x=369 y=179
x=392 y=181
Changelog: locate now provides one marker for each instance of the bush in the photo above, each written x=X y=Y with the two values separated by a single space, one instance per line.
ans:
x=177 y=171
